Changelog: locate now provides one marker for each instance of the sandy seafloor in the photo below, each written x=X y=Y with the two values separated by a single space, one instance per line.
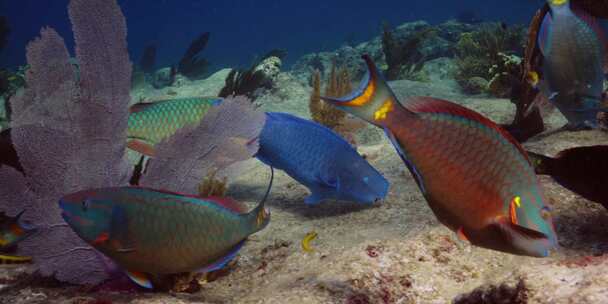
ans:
x=394 y=252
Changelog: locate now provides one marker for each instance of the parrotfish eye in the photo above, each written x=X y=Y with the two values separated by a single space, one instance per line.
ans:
x=366 y=179
x=85 y=205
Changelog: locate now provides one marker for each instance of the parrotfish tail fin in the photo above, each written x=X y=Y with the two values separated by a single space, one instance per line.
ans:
x=542 y=164
x=525 y=240
x=372 y=101
x=261 y=214
x=140 y=279
x=223 y=261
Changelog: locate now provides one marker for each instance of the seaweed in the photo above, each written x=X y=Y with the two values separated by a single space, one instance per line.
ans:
x=403 y=57
x=487 y=54
x=246 y=82
x=191 y=64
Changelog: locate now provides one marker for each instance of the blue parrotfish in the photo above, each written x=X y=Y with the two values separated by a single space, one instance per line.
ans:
x=319 y=159
x=150 y=233
x=573 y=44
x=476 y=178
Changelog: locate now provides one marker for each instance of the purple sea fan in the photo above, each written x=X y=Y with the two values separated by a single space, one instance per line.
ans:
x=70 y=135
x=228 y=134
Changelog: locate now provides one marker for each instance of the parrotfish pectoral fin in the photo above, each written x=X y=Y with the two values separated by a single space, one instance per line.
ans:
x=372 y=101
x=119 y=236
x=530 y=241
x=318 y=195
x=138 y=107
x=405 y=159
x=461 y=235
x=140 y=279
x=141 y=146
x=221 y=262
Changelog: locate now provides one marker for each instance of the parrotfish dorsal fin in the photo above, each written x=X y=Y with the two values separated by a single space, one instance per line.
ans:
x=434 y=105
x=228 y=203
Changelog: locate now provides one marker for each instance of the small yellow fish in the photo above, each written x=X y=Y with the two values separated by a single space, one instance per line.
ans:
x=306 y=241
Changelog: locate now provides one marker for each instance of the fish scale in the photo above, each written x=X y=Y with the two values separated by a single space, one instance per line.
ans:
x=158 y=232
x=156 y=121
x=475 y=177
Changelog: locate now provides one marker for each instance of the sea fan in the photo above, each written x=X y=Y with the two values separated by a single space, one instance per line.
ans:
x=70 y=135
x=227 y=134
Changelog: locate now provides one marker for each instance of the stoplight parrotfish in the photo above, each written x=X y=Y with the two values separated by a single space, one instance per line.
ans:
x=319 y=159
x=582 y=170
x=151 y=232
x=150 y=123
x=475 y=177
x=573 y=44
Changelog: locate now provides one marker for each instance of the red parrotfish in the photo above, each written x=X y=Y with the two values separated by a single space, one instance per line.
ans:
x=151 y=232
x=150 y=123
x=476 y=178
x=573 y=44
x=583 y=170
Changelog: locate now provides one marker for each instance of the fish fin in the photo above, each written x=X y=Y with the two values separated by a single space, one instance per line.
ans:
x=140 y=279
x=422 y=104
x=139 y=107
x=221 y=262
x=119 y=236
x=405 y=159
x=372 y=101
x=461 y=235
x=544 y=105
x=228 y=203
x=318 y=195
x=13 y=259
x=544 y=32
x=533 y=242
x=141 y=147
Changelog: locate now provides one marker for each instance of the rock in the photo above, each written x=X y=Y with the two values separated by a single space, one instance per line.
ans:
x=271 y=67
x=474 y=85
x=440 y=69
x=163 y=77
x=288 y=95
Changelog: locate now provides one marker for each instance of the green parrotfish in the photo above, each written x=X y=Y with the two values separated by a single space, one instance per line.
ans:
x=151 y=232
x=150 y=123
x=12 y=231
x=476 y=178
x=573 y=44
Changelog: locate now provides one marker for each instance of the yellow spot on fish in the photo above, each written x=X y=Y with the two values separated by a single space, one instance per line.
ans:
x=517 y=201
x=559 y=2
x=3 y=242
x=306 y=241
x=386 y=108
x=533 y=78
x=365 y=97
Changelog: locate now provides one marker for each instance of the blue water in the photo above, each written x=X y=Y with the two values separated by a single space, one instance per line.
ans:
x=242 y=29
